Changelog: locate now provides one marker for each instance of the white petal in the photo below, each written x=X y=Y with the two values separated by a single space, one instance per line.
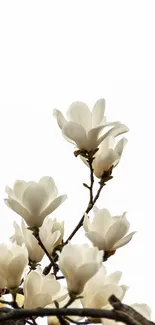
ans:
x=95 y=209
x=79 y=113
x=35 y=198
x=18 y=208
x=104 y=162
x=114 y=132
x=124 y=241
x=19 y=188
x=76 y=133
x=86 y=223
x=82 y=275
x=111 y=289
x=32 y=284
x=53 y=205
x=49 y=185
x=120 y=146
x=52 y=240
x=98 y=112
x=16 y=268
x=113 y=278
x=102 y=221
x=60 y=118
x=93 y=136
x=107 y=143
x=69 y=260
x=96 y=239
x=124 y=290
x=117 y=231
x=143 y=309
x=9 y=192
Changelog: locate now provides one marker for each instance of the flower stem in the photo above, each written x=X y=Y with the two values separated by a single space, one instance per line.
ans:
x=36 y=235
x=92 y=199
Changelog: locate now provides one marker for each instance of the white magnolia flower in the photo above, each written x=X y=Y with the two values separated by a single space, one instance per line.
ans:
x=53 y=320
x=79 y=263
x=13 y=260
x=85 y=128
x=107 y=156
x=107 y=232
x=40 y=290
x=100 y=287
x=34 y=201
x=143 y=309
x=51 y=234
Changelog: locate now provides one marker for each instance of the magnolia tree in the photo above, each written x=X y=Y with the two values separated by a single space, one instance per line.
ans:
x=74 y=287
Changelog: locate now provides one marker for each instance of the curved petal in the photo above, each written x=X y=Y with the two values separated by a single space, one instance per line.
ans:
x=52 y=240
x=124 y=290
x=17 y=207
x=114 y=132
x=111 y=289
x=32 y=284
x=60 y=118
x=69 y=260
x=18 y=236
x=113 y=278
x=102 y=221
x=107 y=143
x=53 y=205
x=49 y=185
x=104 y=162
x=143 y=309
x=98 y=112
x=123 y=241
x=35 y=198
x=79 y=113
x=76 y=133
x=117 y=231
x=120 y=146
x=93 y=136
x=86 y=223
x=82 y=275
x=19 y=188
x=96 y=239
x=9 y=192
x=95 y=209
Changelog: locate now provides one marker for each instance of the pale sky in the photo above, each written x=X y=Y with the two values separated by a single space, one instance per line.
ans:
x=56 y=52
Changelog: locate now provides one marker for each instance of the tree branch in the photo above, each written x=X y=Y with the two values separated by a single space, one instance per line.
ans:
x=127 y=315
x=125 y=309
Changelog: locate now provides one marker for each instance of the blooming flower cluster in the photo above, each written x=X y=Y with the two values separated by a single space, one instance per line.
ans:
x=85 y=283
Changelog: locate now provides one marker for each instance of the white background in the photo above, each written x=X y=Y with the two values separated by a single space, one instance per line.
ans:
x=56 y=52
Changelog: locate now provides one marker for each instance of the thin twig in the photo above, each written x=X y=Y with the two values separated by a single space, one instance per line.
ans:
x=90 y=204
x=89 y=207
x=36 y=235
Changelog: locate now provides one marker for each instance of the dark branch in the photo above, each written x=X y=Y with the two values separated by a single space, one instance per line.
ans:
x=117 y=315
x=36 y=235
x=125 y=309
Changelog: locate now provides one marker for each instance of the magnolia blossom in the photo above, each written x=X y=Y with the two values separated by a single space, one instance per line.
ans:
x=13 y=260
x=143 y=309
x=107 y=156
x=34 y=201
x=51 y=234
x=100 y=287
x=53 y=320
x=79 y=263
x=107 y=232
x=85 y=128
x=40 y=290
